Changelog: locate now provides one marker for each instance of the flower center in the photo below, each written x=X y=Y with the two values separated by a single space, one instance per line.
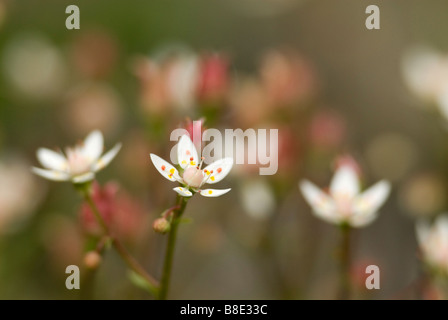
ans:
x=77 y=162
x=344 y=204
x=193 y=177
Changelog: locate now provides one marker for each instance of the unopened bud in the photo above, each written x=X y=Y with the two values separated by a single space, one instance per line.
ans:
x=92 y=259
x=161 y=225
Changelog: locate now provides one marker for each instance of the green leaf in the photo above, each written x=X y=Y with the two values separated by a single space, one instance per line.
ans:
x=141 y=283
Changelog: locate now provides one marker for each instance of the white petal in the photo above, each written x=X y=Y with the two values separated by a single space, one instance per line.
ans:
x=183 y=192
x=366 y=205
x=83 y=177
x=323 y=206
x=165 y=169
x=51 y=174
x=220 y=168
x=186 y=151
x=345 y=183
x=359 y=221
x=51 y=159
x=423 y=230
x=93 y=145
x=106 y=158
x=214 y=192
x=441 y=228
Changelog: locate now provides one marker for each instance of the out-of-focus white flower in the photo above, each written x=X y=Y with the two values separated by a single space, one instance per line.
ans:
x=182 y=81
x=257 y=198
x=433 y=241
x=19 y=193
x=345 y=204
x=92 y=106
x=34 y=67
x=425 y=72
x=191 y=176
x=79 y=164
x=169 y=79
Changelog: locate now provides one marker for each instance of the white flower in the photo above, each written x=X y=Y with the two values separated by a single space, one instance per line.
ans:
x=20 y=193
x=345 y=204
x=433 y=241
x=425 y=72
x=191 y=176
x=79 y=164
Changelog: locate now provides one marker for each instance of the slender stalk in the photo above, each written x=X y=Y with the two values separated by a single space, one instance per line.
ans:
x=168 y=262
x=131 y=262
x=344 y=255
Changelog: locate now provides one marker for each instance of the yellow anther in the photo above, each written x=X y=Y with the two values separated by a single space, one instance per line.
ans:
x=209 y=191
x=212 y=178
x=192 y=163
x=172 y=170
x=184 y=162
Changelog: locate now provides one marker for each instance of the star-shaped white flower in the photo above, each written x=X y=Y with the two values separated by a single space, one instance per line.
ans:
x=191 y=176
x=79 y=164
x=433 y=242
x=344 y=204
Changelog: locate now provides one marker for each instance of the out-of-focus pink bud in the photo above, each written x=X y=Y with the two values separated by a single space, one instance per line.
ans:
x=120 y=212
x=92 y=259
x=249 y=102
x=358 y=273
x=154 y=95
x=213 y=77
x=288 y=149
x=287 y=78
x=327 y=130
x=161 y=225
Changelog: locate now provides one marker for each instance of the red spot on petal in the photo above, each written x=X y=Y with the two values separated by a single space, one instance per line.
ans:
x=191 y=159
x=188 y=152
x=219 y=170
x=163 y=168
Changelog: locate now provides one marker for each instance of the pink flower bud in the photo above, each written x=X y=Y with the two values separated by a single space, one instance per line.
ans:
x=161 y=225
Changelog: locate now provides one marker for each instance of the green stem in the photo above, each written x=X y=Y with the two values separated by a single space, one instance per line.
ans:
x=131 y=262
x=167 y=265
x=345 y=252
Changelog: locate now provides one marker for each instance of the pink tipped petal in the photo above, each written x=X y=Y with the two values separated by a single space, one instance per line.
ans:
x=214 y=192
x=89 y=176
x=220 y=168
x=345 y=183
x=323 y=206
x=106 y=158
x=51 y=159
x=165 y=168
x=183 y=192
x=51 y=174
x=366 y=205
x=93 y=146
x=186 y=152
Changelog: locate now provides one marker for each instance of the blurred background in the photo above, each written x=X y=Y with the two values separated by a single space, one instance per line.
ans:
x=136 y=70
